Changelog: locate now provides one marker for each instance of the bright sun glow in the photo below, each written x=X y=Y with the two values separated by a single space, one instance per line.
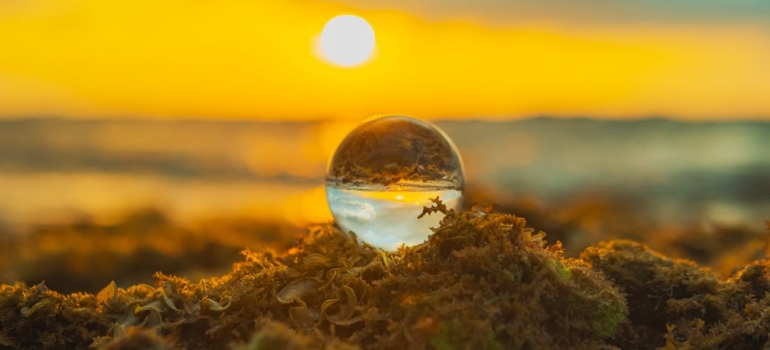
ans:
x=347 y=40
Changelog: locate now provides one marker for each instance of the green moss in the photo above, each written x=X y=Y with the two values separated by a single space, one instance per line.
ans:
x=676 y=304
x=450 y=335
x=277 y=336
x=453 y=334
x=561 y=270
x=606 y=318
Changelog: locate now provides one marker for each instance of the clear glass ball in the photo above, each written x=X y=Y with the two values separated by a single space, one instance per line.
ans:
x=383 y=174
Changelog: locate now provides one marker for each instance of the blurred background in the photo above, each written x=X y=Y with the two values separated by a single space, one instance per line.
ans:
x=142 y=136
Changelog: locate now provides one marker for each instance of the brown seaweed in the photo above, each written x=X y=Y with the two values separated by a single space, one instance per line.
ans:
x=481 y=281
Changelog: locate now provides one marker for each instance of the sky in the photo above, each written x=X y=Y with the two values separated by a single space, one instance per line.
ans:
x=493 y=59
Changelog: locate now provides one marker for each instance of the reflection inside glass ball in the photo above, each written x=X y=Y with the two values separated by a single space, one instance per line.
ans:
x=383 y=174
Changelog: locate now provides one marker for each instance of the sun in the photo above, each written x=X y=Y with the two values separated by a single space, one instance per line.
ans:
x=347 y=40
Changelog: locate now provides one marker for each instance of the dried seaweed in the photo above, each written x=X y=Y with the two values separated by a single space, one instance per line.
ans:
x=675 y=304
x=480 y=281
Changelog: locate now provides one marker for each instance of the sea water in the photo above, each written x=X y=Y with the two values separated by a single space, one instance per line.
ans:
x=386 y=216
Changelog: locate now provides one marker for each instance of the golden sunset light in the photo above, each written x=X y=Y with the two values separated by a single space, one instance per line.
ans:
x=232 y=59
x=384 y=174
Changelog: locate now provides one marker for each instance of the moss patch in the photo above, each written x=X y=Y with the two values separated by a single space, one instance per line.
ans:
x=480 y=280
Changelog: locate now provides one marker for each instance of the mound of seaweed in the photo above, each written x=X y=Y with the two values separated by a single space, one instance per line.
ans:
x=481 y=281
x=677 y=305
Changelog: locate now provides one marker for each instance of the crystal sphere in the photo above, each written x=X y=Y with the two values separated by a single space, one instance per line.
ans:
x=383 y=174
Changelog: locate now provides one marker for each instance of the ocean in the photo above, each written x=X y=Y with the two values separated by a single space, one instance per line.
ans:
x=54 y=170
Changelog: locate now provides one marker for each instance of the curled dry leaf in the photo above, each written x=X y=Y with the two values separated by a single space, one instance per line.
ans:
x=28 y=311
x=301 y=317
x=346 y=309
x=298 y=290
x=216 y=306
x=107 y=293
x=142 y=290
x=153 y=318
x=131 y=318
x=169 y=302
x=314 y=260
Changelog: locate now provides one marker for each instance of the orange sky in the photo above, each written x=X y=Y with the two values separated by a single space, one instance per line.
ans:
x=255 y=59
